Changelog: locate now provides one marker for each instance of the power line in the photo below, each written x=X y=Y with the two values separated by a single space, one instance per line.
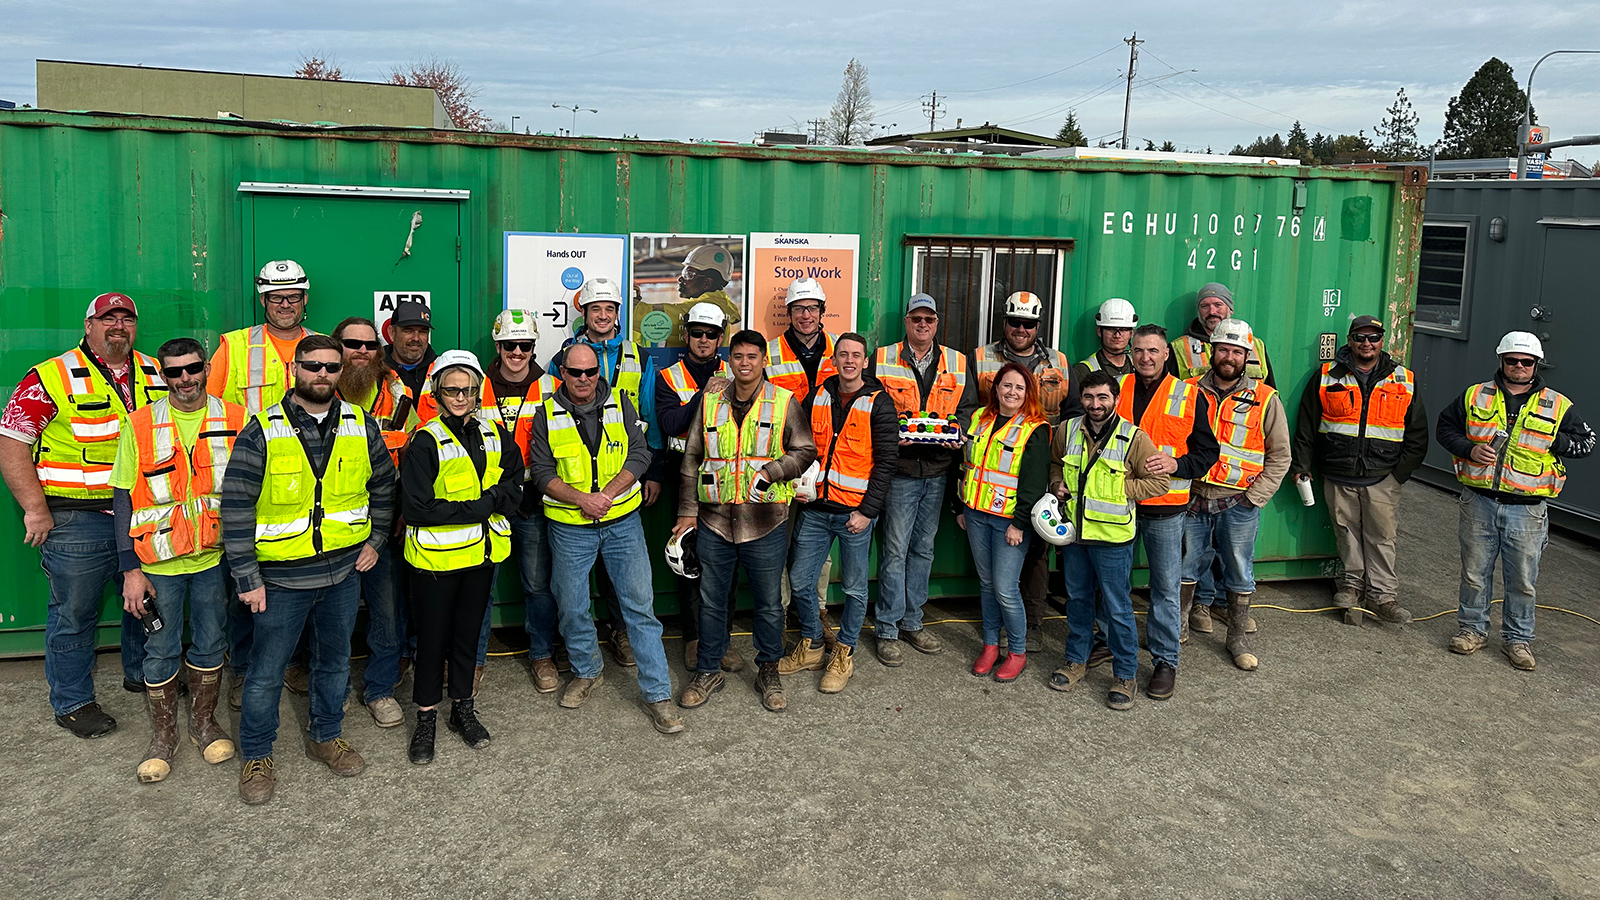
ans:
x=1212 y=108
x=1039 y=78
x=1097 y=91
x=1241 y=99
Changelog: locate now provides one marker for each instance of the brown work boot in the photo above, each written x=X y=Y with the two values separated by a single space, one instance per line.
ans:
x=337 y=753
x=578 y=690
x=731 y=660
x=1163 y=681
x=1121 y=694
x=840 y=668
x=805 y=657
x=205 y=686
x=771 y=687
x=1067 y=676
x=1199 y=618
x=1519 y=654
x=297 y=679
x=1099 y=654
x=1186 y=611
x=1468 y=641
x=1238 y=617
x=621 y=648
x=1346 y=598
x=921 y=641
x=256 y=781
x=665 y=719
x=1393 y=613
x=163 y=703
x=700 y=689
x=545 y=679
x=1220 y=613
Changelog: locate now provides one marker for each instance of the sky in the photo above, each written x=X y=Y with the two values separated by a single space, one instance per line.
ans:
x=695 y=70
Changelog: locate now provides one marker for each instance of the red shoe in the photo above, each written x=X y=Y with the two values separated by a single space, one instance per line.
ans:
x=985 y=663
x=1011 y=668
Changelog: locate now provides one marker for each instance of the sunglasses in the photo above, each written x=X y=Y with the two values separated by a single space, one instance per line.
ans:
x=704 y=334
x=590 y=372
x=1525 y=363
x=310 y=366
x=457 y=393
x=516 y=346
x=353 y=344
x=1025 y=324
x=172 y=373
x=1365 y=338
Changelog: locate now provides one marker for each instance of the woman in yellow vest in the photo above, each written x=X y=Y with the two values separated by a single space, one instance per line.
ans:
x=460 y=478
x=1007 y=469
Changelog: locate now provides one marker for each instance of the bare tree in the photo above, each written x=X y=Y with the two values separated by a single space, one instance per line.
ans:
x=456 y=90
x=318 y=69
x=850 y=120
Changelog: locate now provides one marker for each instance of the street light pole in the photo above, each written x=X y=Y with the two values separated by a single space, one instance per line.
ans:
x=514 y=124
x=1527 y=112
x=575 y=111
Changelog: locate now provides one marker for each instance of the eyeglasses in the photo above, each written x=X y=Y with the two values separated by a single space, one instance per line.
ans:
x=119 y=321
x=1024 y=324
x=516 y=346
x=456 y=393
x=286 y=301
x=353 y=344
x=172 y=373
x=1523 y=362
x=704 y=334
x=805 y=309
x=313 y=366
x=590 y=372
x=1366 y=338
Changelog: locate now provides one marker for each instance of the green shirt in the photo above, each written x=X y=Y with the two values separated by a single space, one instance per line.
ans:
x=125 y=473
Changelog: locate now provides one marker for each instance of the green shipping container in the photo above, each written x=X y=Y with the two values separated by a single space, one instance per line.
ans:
x=180 y=213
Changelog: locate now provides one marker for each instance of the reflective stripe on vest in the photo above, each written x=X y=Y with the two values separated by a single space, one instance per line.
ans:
x=78 y=446
x=1106 y=513
x=1168 y=420
x=298 y=515
x=1242 y=441
x=177 y=494
x=518 y=421
x=450 y=548
x=994 y=464
x=1526 y=465
x=1193 y=357
x=847 y=459
x=1053 y=376
x=257 y=376
x=1379 y=415
x=736 y=453
x=584 y=469
x=784 y=369
x=683 y=384
x=900 y=380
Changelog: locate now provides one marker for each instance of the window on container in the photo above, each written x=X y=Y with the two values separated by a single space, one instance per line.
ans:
x=1442 y=276
x=970 y=279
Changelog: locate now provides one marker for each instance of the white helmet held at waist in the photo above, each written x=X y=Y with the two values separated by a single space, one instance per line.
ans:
x=1024 y=305
x=516 y=325
x=804 y=289
x=703 y=313
x=1233 y=331
x=599 y=289
x=1049 y=524
x=681 y=555
x=450 y=359
x=710 y=258
x=1520 y=342
x=1116 y=313
x=282 y=275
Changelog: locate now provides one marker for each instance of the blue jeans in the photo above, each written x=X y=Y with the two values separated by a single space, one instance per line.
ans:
x=621 y=544
x=1516 y=535
x=1229 y=536
x=905 y=560
x=1163 y=552
x=1106 y=569
x=328 y=616
x=999 y=579
x=80 y=558
x=386 y=625
x=812 y=540
x=530 y=548
x=206 y=594
x=763 y=560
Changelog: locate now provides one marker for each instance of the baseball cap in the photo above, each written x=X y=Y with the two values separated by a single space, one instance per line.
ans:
x=109 y=301
x=921 y=301
x=411 y=312
x=1365 y=322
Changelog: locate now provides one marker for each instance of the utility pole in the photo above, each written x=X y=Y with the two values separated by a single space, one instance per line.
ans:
x=931 y=107
x=1127 y=100
x=816 y=129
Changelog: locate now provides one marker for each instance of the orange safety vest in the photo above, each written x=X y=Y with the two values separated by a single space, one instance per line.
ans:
x=391 y=391
x=785 y=370
x=1378 y=416
x=1054 y=376
x=683 y=384
x=1169 y=420
x=900 y=380
x=177 y=496
x=1242 y=441
x=78 y=447
x=847 y=460
x=519 y=420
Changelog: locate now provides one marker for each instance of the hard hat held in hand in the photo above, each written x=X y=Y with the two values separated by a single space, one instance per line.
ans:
x=516 y=325
x=1116 y=313
x=1024 y=305
x=805 y=487
x=804 y=289
x=706 y=314
x=599 y=289
x=682 y=557
x=1520 y=342
x=1050 y=525
x=282 y=275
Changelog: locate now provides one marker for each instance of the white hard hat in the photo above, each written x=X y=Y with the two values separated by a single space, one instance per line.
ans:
x=282 y=275
x=1520 y=342
x=710 y=258
x=450 y=359
x=516 y=325
x=1233 y=331
x=1116 y=313
x=706 y=314
x=806 y=485
x=1049 y=524
x=804 y=289
x=599 y=289
x=681 y=555
x=1024 y=305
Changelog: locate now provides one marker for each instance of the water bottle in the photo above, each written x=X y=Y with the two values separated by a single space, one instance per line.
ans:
x=1307 y=497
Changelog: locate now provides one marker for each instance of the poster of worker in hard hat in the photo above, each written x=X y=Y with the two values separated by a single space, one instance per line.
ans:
x=777 y=260
x=673 y=272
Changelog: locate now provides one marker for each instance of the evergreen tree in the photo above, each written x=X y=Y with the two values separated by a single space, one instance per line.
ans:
x=1482 y=120
x=1071 y=132
x=1397 y=133
x=1298 y=146
x=1168 y=147
x=1149 y=144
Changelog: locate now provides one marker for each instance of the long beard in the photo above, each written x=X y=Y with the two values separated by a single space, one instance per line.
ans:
x=358 y=381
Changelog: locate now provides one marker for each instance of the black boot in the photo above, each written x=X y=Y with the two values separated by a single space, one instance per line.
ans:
x=421 y=751
x=464 y=721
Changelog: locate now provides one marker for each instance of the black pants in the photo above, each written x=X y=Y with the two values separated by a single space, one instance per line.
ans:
x=446 y=616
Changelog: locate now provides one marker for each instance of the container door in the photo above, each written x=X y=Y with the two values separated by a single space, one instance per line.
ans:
x=1566 y=318
x=361 y=253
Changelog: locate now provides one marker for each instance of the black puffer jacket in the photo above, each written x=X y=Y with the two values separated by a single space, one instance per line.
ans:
x=1340 y=456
